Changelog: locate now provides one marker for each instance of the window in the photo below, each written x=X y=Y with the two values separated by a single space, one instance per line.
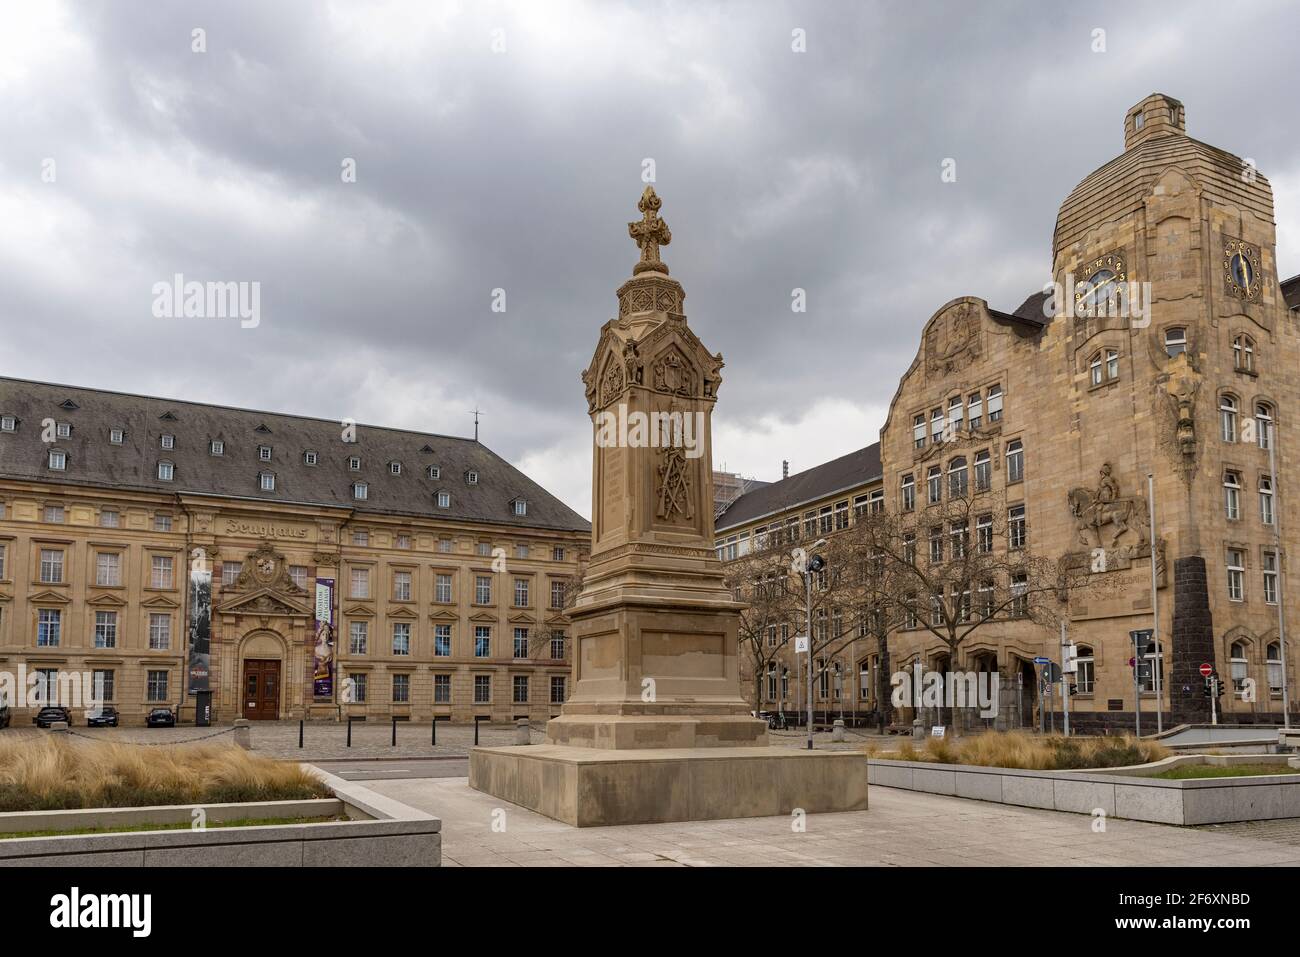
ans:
x=520 y=507
x=954 y=415
x=1232 y=495
x=557 y=645
x=442 y=587
x=482 y=641
x=995 y=403
x=521 y=642
x=359 y=682
x=824 y=518
x=1236 y=574
x=156 y=686
x=108 y=570
x=557 y=553
x=354 y=463
x=102 y=682
x=1266 y=499
x=876 y=502
x=771 y=681
x=264 y=453
x=471 y=477
x=216 y=447
x=1112 y=364
x=54 y=514
x=266 y=480
x=1273 y=664
x=109 y=518
x=958 y=536
x=1270 y=577
x=986 y=599
x=957 y=478
x=442 y=689
x=934 y=484
x=983 y=471
x=166 y=471
x=63 y=430
x=1243 y=354
x=520 y=685
x=442 y=641
x=482 y=590
x=298 y=575
x=116 y=436
x=1019 y=595
x=918 y=432
x=482 y=689
x=361 y=583
x=445 y=545
x=160 y=571
x=169 y=441
x=558 y=588
x=360 y=491
x=230 y=572
x=310 y=457
x=1017 y=533
x=521 y=593
x=358 y=637
x=1263 y=424
x=974 y=410
x=936 y=426
x=401 y=638
x=1228 y=417
x=1094 y=369
x=401 y=689
x=434 y=472
x=2 y=562
x=403 y=540
x=557 y=689
x=401 y=586
x=936 y=544
x=162 y=523
x=1015 y=461
x=395 y=468
x=360 y=536
x=1085 y=677
x=1239 y=666
x=444 y=500
x=1175 y=341
x=8 y=423
x=52 y=566
x=58 y=460
x=160 y=631
x=984 y=534
x=105 y=629
x=909 y=492
x=49 y=627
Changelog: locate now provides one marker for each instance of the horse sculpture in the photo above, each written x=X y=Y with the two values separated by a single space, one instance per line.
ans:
x=1093 y=512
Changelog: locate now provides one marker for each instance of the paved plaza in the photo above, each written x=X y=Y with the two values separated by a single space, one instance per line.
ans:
x=900 y=828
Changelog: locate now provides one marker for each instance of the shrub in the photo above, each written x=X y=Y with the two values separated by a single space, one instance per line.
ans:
x=1016 y=749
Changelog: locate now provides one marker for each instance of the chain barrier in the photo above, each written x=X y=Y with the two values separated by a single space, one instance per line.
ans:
x=152 y=744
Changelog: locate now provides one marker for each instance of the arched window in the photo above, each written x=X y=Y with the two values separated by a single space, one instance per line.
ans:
x=1243 y=353
x=1086 y=676
x=957 y=477
x=1232 y=495
x=1273 y=662
x=1228 y=417
x=1237 y=661
x=1175 y=341
x=1015 y=461
x=1263 y=423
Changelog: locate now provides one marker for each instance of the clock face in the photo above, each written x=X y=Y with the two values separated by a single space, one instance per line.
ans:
x=1099 y=288
x=1101 y=293
x=1242 y=274
x=1241 y=271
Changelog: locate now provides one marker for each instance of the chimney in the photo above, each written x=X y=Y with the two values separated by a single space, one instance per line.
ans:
x=785 y=468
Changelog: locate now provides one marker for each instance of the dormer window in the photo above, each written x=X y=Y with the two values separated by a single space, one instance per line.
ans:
x=8 y=423
x=1175 y=341
x=471 y=477
x=168 y=441
x=266 y=480
x=354 y=463
x=434 y=472
x=217 y=447
x=58 y=460
x=520 y=507
x=444 y=500
x=360 y=491
x=309 y=458
x=264 y=453
x=116 y=436
x=395 y=468
x=63 y=430
x=166 y=471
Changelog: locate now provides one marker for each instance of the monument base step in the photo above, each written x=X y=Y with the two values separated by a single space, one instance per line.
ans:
x=591 y=787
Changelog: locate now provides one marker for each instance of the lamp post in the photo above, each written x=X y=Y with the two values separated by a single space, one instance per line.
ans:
x=1155 y=607
x=813 y=565
x=1281 y=603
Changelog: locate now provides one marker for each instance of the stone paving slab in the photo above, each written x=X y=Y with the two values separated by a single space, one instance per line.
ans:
x=901 y=828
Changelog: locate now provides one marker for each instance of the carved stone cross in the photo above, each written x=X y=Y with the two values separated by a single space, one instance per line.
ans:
x=650 y=233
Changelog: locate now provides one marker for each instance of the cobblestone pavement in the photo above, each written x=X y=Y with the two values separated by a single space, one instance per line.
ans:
x=900 y=828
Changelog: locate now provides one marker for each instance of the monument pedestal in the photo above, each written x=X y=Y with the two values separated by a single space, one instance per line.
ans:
x=591 y=787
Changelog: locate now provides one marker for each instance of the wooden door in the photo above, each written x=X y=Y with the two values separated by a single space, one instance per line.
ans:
x=261 y=689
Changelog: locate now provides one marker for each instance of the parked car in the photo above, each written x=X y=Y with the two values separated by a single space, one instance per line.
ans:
x=49 y=714
x=5 y=716
x=107 y=718
x=160 y=718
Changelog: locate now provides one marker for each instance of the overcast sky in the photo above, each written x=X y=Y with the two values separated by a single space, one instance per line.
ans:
x=480 y=168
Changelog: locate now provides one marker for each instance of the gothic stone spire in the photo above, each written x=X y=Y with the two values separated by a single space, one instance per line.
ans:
x=650 y=233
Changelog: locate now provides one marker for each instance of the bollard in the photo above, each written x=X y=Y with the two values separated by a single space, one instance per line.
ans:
x=477 y=719
x=837 y=730
x=522 y=735
x=393 y=743
x=434 y=722
x=243 y=734
x=300 y=723
x=918 y=729
x=349 y=731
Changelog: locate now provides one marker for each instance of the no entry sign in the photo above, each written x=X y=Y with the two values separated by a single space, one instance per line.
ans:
x=1206 y=670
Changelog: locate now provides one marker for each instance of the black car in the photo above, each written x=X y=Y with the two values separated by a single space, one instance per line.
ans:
x=49 y=714
x=107 y=718
x=160 y=718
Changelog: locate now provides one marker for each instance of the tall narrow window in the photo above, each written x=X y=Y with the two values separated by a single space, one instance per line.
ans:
x=1273 y=662
x=1232 y=495
x=974 y=410
x=1015 y=461
x=918 y=432
x=995 y=403
x=1263 y=424
x=1094 y=369
x=936 y=426
x=1266 y=499
x=1236 y=574
x=957 y=478
x=1085 y=676
x=983 y=471
x=1243 y=354
x=1228 y=417
x=984 y=534
x=1112 y=364
x=1017 y=532
x=934 y=482
x=1240 y=666
x=1270 y=577
x=954 y=415
x=909 y=492
x=1175 y=341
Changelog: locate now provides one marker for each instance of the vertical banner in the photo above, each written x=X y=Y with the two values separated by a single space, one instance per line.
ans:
x=200 y=625
x=323 y=655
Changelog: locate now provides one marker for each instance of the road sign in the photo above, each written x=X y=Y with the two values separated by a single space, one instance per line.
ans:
x=1142 y=634
x=1051 y=672
x=1042 y=661
x=800 y=644
x=1207 y=669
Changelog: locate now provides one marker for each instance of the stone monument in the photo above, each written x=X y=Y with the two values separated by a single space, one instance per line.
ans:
x=656 y=728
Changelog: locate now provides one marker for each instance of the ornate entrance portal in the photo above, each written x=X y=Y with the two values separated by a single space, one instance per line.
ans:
x=261 y=689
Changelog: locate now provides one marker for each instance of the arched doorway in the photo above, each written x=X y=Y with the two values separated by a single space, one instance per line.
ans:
x=261 y=676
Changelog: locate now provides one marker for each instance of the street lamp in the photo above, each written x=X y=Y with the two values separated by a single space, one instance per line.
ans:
x=813 y=565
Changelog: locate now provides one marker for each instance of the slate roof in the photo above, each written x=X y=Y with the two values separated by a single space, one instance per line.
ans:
x=94 y=461
x=839 y=474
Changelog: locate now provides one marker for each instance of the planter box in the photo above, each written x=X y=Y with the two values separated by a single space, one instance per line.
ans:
x=1119 y=792
x=379 y=832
